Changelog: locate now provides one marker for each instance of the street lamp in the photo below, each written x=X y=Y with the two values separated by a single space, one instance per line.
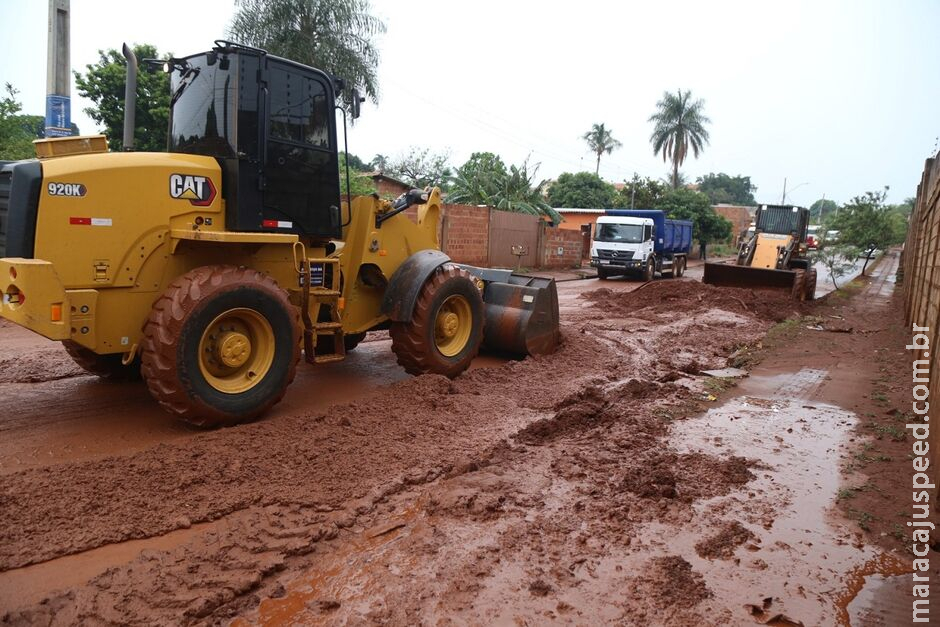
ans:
x=783 y=199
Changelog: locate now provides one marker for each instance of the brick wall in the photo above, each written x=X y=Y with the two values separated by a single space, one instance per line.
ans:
x=739 y=217
x=465 y=232
x=554 y=239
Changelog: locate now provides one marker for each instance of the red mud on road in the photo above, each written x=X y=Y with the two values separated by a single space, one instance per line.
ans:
x=533 y=491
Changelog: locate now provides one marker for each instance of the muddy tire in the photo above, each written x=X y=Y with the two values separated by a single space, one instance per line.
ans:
x=602 y=274
x=680 y=267
x=810 y=284
x=221 y=346
x=108 y=367
x=798 y=292
x=650 y=272
x=446 y=328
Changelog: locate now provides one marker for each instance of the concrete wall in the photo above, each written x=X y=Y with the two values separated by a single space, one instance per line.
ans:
x=921 y=280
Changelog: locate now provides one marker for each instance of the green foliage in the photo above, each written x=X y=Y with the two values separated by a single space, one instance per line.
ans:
x=379 y=163
x=838 y=260
x=722 y=188
x=421 y=168
x=822 y=209
x=485 y=180
x=359 y=184
x=866 y=222
x=582 y=190
x=644 y=193
x=687 y=204
x=599 y=141
x=679 y=125
x=333 y=35
x=16 y=140
x=103 y=83
x=358 y=164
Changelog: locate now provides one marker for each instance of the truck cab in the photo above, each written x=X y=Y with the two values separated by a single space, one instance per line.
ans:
x=623 y=243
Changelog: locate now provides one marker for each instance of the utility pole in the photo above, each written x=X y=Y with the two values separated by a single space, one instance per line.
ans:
x=633 y=190
x=783 y=200
x=58 y=72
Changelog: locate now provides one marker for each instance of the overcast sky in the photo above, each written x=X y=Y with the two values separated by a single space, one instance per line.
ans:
x=837 y=97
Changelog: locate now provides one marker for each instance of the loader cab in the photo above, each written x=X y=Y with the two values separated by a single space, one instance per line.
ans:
x=271 y=124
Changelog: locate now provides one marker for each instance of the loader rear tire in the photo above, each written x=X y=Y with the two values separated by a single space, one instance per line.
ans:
x=221 y=346
x=446 y=327
x=110 y=367
x=810 y=280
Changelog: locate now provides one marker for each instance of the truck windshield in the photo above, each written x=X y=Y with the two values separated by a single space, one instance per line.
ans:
x=202 y=120
x=627 y=233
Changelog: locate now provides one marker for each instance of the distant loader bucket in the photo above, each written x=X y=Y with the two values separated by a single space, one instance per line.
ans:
x=521 y=312
x=731 y=275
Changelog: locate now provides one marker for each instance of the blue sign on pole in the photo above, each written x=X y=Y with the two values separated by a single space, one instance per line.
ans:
x=58 y=116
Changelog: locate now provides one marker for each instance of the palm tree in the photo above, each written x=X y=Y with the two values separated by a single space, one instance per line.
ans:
x=599 y=140
x=333 y=35
x=379 y=162
x=680 y=124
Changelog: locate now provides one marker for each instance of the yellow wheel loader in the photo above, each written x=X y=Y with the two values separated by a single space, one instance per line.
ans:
x=210 y=268
x=773 y=257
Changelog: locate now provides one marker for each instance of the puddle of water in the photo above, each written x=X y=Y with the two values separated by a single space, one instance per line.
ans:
x=879 y=594
x=807 y=553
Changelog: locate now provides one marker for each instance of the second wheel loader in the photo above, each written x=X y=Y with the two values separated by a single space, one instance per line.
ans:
x=773 y=257
x=210 y=269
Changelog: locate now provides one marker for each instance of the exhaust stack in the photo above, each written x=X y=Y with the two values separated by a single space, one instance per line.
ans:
x=130 y=98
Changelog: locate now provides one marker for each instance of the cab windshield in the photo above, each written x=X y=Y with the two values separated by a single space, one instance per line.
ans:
x=625 y=233
x=202 y=119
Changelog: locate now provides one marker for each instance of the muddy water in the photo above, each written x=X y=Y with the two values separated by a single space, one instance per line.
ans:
x=805 y=557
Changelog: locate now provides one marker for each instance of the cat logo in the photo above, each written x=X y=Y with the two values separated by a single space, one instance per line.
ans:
x=198 y=190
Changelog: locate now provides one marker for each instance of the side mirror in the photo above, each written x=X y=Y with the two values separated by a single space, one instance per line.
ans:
x=355 y=105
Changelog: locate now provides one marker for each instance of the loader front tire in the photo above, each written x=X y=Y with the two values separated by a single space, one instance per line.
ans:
x=798 y=292
x=810 y=280
x=446 y=327
x=110 y=367
x=221 y=346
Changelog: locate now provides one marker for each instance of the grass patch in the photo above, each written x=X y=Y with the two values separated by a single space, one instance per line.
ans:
x=717 y=385
x=864 y=519
x=895 y=432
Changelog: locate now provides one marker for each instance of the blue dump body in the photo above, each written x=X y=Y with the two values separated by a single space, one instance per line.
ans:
x=672 y=236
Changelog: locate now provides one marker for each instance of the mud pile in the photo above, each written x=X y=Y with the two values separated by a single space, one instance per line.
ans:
x=688 y=296
x=508 y=492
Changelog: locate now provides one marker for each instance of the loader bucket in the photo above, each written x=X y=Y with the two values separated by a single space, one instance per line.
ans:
x=521 y=312
x=731 y=275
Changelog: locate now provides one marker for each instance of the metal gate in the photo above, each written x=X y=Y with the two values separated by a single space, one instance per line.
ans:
x=511 y=232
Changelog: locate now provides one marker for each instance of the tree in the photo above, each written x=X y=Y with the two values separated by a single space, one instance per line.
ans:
x=722 y=188
x=687 y=204
x=333 y=35
x=821 y=209
x=679 y=125
x=485 y=180
x=480 y=180
x=838 y=260
x=421 y=168
x=600 y=140
x=379 y=163
x=867 y=223
x=640 y=193
x=359 y=184
x=357 y=164
x=582 y=190
x=103 y=84
x=16 y=141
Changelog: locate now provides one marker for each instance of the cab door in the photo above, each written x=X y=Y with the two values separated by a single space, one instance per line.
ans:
x=301 y=175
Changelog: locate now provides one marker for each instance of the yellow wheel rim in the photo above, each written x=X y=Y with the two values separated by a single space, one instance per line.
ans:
x=236 y=350
x=452 y=325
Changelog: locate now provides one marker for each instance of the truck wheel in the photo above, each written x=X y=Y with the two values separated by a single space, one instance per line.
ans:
x=799 y=285
x=108 y=367
x=650 y=271
x=680 y=267
x=810 y=284
x=221 y=346
x=446 y=328
x=602 y=274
